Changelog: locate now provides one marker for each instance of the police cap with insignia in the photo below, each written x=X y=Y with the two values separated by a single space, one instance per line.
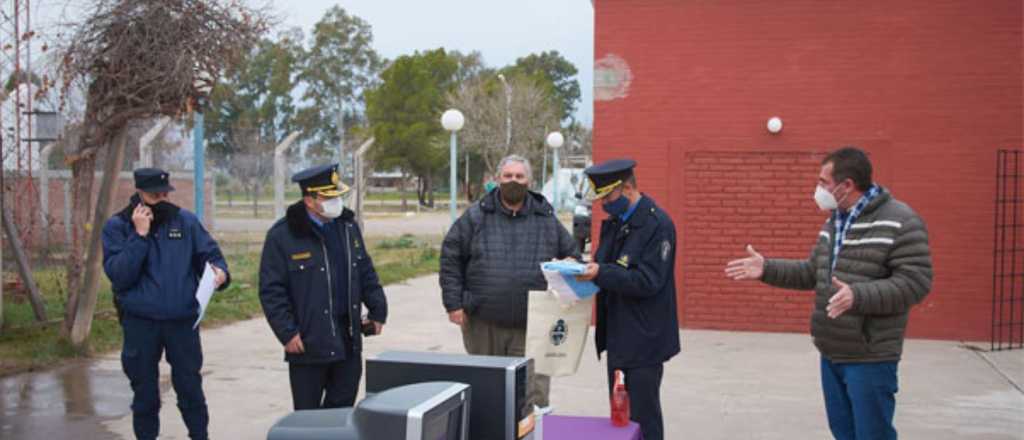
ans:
x=152 y=180
x=606 y=176
x=322 y=180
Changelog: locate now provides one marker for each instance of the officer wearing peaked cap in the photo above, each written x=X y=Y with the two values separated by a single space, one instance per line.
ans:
x=315 y=276
x=636 y=306
x=154 y=254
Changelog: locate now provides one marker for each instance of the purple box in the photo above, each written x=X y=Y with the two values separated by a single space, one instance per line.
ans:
x=588 y=428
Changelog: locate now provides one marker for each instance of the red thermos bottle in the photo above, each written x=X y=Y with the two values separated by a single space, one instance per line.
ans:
x=620 y=400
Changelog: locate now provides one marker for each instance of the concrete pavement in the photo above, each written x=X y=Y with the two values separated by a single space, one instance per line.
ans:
x=725 y=385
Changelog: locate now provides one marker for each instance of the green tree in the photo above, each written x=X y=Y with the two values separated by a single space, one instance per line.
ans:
x=553 y=67
x=340 y=67
x=404 y=113
x=471 y=65
x=253 y=109
x=257 y=95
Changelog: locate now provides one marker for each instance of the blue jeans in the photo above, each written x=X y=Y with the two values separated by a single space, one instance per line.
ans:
x=860 y=399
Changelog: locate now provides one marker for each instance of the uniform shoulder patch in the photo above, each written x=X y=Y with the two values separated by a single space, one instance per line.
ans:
x=666 y=249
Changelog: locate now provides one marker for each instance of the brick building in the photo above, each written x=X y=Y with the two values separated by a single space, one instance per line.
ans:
x=932 y=89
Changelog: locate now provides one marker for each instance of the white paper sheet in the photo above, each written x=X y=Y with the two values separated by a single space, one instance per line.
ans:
x=561 y=278
x=207 y=285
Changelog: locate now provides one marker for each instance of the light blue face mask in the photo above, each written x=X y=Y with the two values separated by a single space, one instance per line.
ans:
x=618 y=207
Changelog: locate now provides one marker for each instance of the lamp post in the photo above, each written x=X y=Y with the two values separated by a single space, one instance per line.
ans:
x=452 y=121
x=555 y=141
x=508 y=111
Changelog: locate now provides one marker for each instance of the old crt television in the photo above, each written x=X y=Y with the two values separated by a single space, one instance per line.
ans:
x=499 y=384
x=422 y=411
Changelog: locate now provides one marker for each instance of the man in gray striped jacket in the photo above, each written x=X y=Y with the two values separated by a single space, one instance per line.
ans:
x=870 y=264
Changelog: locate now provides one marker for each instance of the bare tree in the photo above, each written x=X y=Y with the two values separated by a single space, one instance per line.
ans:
x=137 y=59
x=253 y=161
x=482 y=99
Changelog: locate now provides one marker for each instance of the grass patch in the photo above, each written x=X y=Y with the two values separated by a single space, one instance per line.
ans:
x=26 y=345
x=406 y=241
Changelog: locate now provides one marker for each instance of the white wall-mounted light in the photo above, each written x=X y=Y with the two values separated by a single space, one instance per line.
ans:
x=774 y=125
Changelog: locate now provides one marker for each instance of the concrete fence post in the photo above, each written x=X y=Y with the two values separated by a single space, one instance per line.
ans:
x=279 y=170
x=146 y=141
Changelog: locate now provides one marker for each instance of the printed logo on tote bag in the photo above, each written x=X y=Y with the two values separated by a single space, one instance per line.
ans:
x=559 y=333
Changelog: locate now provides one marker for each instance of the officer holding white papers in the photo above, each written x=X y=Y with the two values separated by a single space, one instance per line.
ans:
x=154 y=254
x=636 y=306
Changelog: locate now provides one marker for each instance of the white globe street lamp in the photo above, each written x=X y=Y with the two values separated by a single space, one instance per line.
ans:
x=452 y=121
x=555 y=141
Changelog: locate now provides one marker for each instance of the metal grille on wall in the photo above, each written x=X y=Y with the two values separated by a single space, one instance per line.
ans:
x=1008 y=253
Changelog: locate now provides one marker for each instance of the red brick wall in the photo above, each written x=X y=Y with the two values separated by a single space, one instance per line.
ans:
x=930 y=88
x=739 y=197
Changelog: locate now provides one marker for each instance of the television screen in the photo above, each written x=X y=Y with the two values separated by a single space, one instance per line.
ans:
x=422 y=411
x=446 y=426
x=499 y=384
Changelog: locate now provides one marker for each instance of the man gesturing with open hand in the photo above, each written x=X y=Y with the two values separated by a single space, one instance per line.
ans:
x=871 y=263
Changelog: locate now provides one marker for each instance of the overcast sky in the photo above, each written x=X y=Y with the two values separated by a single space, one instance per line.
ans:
x=501 y=30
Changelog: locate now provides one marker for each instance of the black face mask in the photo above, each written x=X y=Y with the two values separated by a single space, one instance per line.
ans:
x=161 y=211
x=513 y=192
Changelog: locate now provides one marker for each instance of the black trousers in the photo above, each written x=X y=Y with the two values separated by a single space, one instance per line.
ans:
x=145 y=342
x=644 y=387
x=329 y=385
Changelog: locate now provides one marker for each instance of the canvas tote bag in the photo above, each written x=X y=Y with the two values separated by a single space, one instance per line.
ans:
x=556 y=332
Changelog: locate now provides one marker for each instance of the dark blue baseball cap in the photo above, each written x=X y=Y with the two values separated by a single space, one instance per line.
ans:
x=152 y=180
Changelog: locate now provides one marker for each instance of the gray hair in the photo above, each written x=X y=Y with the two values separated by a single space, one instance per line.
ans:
x=516 y=158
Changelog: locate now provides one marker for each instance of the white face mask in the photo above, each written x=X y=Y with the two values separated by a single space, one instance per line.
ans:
x=825 y=200
x=332 y=208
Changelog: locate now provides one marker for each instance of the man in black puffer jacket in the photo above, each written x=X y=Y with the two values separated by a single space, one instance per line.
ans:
x=490 y=260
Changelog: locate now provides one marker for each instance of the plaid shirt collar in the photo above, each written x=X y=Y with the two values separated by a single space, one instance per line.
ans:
x=843 y=221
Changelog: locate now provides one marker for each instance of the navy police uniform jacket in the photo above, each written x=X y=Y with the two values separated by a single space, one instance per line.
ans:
x=295 y=286
x=156 y=276
x=636 y=307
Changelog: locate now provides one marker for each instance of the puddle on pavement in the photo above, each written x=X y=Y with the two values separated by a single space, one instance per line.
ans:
x=67 y=402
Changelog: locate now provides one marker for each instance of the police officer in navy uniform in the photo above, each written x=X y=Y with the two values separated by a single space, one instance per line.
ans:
x=636 y=306
x=154 y=254
x=314 y=276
